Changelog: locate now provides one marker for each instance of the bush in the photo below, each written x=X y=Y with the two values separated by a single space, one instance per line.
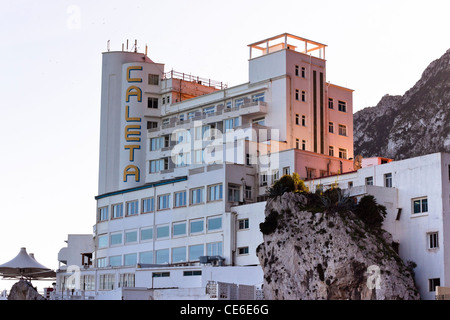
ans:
x=286 y=183
x=369 y=211
x=270 y=223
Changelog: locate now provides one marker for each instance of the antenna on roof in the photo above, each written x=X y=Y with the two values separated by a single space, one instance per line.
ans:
x=107 y=45
x=135 y=45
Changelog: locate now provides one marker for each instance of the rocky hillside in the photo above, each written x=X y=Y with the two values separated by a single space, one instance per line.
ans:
x=327 y=255
x=23 y=290
x=411 y=125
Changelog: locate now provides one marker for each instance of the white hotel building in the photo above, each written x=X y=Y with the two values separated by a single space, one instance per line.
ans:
x=184 y=165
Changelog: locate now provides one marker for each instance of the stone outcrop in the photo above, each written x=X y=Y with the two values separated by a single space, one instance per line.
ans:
x=23 y=290
x=327 y=255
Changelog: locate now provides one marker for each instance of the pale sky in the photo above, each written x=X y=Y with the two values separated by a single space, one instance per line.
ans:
x=50 y=81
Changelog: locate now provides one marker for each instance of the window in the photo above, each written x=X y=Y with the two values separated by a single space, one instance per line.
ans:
x=146 y=257
x=215 y=192
x=214 y=223
x=162 y=256
x=191 y=114
x=126 y=280
x=103 y=214
x=303 y=144
x=369 y=181
x=296 y=94
x=159 y=165
x=248 y=192
x=180 y=199
x=106 y=281
x=179 y=229
x=146 y=234
x=231 y=123
x=297 y=119
x=130 y=236
x=152 y=103
x=101 y=262
x=197 y=196
x=88 y=282
x=342 y=130
x=152 y=124
x=303 y=72
x=162 y=232
x=258 y=97
x=103 y=241
x=132 y=208
x=388 y=180
x=148 y=205
x=433 y=240
x=163 y=202
x=259 y=121
x=330 y=103
x=214 y=249
x=192 y=273
x=153 y=79
x=157 y=143
x=234 y=193
x=243 y=224
x=195 y=252
x=160 y=274
x=342 y=153
x=303 y=120
x=163 y=100
x=115 y=261
x=130 y=259
x=433 y=283
x=304 y=96
x=115 y=239
x=275 y=175
x=296 y=70
x=243 y=250
x=179 y=254
x=342 y=106
x=263 y=178
x=297 y=143
x=238 y=102
x=330 y=127
x=228 y=104
x=286 y=170
x=420 y=205
x=198 y=156
x=117 y=211
x=209 y=110
x=196 y=226
x=331 y=151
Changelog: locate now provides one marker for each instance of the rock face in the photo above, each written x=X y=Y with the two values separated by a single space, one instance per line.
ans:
x=309 y=256
x=23 y=290
x=411 y=125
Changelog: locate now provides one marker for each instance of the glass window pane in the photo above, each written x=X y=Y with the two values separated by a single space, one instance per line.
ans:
x=130 y=259
x=115 y=261
x=130 y=236
x=215 y=223
x=162 y=256
x=179 y=254
x=416 y=206
x=195 y=252
x=116 y=239
x=146 y=257
x=103 y=241
x=424 y=205
x=179 y=229
x=147 y=234
x=162 y=232
x=196 y=226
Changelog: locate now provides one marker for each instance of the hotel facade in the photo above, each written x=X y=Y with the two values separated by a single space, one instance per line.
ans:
x=184 y=166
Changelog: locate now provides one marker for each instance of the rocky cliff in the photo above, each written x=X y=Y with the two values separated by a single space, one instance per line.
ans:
x=23 y=290
x=411 y=125
x=327 y=255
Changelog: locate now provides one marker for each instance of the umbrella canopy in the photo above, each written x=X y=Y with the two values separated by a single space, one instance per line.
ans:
x=24 y=265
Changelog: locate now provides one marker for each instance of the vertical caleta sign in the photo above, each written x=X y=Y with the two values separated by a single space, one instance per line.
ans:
x=132 y=154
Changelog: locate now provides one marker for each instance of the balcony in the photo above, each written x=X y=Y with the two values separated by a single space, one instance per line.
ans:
x=254 y=108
